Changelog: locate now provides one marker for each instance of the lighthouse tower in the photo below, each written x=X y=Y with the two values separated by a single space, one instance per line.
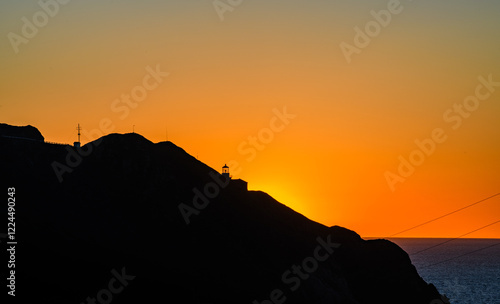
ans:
x=237 y=184
x=225 y=171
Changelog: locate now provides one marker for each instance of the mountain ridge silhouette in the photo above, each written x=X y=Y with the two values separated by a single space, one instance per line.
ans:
x=119 y=208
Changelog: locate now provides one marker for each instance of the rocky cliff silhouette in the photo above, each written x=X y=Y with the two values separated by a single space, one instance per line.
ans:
x=104 y=224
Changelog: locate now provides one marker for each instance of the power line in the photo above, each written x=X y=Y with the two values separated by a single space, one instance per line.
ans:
x=445 y=215
x=467 y=253
x=454 y=238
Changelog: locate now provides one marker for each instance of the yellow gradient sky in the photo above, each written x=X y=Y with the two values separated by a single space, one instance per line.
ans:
x=354 y=117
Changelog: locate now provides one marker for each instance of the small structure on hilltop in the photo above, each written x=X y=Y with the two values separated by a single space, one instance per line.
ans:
x=77 y=143
x=234 y=183
x=225 y=171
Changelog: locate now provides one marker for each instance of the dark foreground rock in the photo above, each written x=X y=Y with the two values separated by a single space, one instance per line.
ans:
x=25 y=132
x=104 y=223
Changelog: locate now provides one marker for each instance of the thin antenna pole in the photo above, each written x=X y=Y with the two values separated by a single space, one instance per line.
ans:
x=78 y=128
x=133 y=129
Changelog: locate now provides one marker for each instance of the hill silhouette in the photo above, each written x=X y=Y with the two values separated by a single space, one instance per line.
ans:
x=88 y=218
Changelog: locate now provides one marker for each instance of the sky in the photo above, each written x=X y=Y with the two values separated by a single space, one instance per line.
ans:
x=377 y=116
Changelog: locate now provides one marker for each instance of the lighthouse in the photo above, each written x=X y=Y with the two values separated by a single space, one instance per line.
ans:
x=225 y=171
x=237 y=184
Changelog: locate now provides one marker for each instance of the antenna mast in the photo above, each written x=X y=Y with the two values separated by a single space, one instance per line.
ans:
x=78 y=128
x=77 y=143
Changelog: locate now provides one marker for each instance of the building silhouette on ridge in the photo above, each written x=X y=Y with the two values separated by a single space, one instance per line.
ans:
x=234 y=183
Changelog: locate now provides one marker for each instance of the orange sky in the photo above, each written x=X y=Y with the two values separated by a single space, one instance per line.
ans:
x=354 y=115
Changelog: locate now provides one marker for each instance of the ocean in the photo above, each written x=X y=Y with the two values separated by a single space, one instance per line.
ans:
x=459 y=268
